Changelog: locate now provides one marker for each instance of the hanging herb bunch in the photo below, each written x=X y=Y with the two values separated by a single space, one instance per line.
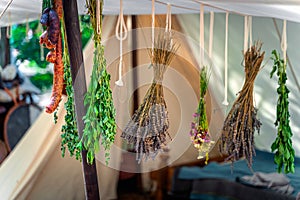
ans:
x=285 y=154
x=100 y=117
x=237 y=139
x=148 y=128
x=69 y=138
x=199 y=127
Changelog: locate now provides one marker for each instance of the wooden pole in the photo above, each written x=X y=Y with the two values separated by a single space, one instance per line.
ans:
x=4 y=48
x=79 y=85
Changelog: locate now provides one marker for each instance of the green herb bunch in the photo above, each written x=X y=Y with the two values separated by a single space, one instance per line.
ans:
x=199 y=127
x=285 y=154
x=100 y=117
x=69 y=137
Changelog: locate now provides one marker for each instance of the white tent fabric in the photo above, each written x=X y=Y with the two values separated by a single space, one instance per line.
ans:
x=21 y=11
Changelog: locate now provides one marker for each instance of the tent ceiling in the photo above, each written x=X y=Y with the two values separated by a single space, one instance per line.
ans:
x=21 y=11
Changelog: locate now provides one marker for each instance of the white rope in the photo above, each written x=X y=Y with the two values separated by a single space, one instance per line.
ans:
x=153 y=25
x=201 y=40
x=250 y=30
x=8 y=29
x=120 y=36
x=211 y=34
x=246 y=32
x=98 y=17
x=284 y=41
x=225 y=102
x=27 y=29
x=5 y=8
x=168 y=18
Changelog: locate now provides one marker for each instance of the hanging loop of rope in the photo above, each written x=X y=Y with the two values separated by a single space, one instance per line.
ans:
x=168 y=18
x=120 y=36
x=247 y=32
x=98 y=17
x=284 y=41
x=8 y=29
x=225 y=102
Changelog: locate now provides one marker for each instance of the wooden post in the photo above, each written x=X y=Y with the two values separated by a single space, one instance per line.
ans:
x=79 y=85
x=4 y=48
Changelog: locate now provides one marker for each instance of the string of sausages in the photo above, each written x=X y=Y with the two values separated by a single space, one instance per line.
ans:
x=52 y=40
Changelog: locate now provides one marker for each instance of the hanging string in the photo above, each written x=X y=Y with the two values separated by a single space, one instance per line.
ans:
x=211 y=34
x=120 y=36
x=8 y=29
x=27 y=30
x=225 y=102
x=153 y=25
x=284 y=41
x=250 y=30
x=98 y=17
x=246 y=32
x=201 y=40
x=168 y=18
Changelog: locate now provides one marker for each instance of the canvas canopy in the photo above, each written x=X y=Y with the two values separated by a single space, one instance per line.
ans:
x=263 y=28
x=21 y=11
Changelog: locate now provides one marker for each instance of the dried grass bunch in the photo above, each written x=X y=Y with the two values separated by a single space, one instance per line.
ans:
x=148 y=128
x=237 y=139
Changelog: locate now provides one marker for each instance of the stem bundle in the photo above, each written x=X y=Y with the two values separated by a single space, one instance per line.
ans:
x=148 y=128
x=237 y=139
x=199 y=127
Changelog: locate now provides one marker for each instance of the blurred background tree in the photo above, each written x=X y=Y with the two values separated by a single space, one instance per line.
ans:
x=25 y=47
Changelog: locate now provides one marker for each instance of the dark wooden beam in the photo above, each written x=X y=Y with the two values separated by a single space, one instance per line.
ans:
x=79 y=85
x=4 y=48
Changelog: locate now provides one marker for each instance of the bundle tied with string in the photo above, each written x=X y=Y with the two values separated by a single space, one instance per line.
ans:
x=199 y=127
x=237 y=139
x=148 y=128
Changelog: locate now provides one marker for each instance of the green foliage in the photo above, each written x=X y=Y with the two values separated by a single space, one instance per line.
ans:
x=86 y=29
x=100 y=117
x=69 y=136
x=285 y=154
x=28 y=47
x=42 y=81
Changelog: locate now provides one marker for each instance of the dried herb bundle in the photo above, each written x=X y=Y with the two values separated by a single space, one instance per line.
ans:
x=199 y=127
x=237 y=139
x=148 y=128
x=285 y=154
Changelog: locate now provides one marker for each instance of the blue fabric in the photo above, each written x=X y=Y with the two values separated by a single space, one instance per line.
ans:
x=208 y=197
x=262 y=162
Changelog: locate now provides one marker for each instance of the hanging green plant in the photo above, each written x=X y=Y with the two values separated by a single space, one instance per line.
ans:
x=69 y=137
x=199 y=127
x=284 y=152
x=148 y=128
x=237 y=139
x=100 y=117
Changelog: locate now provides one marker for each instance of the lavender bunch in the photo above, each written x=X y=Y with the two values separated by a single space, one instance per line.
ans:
x=148 y=128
